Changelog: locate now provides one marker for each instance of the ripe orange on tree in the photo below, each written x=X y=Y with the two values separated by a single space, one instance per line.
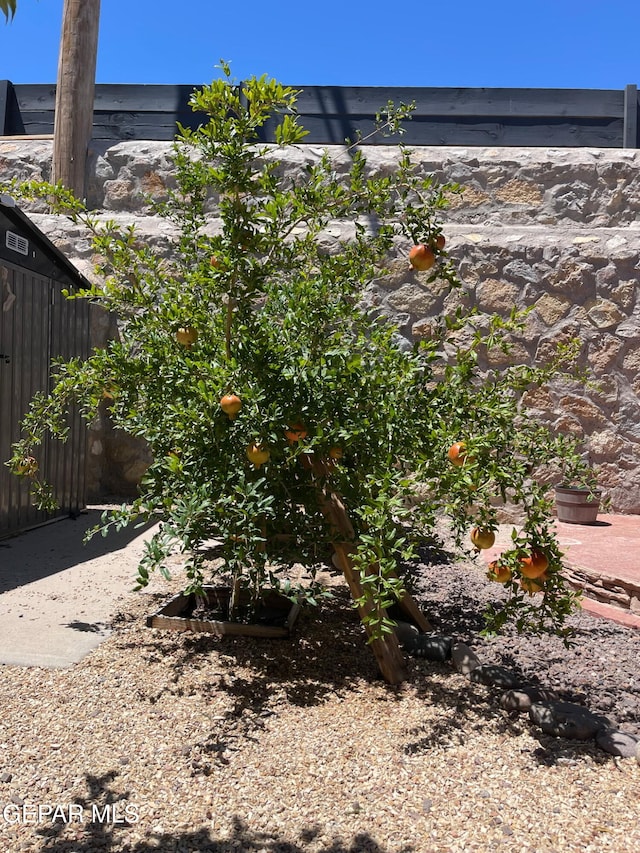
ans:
x=258 y=454
x=457 y=454
x=497 y=572
x=296 y=432
x=440 y=242
x=230 y=405
x=533 y=585
x=186 y=335
x=534 y=564
x=421 y=257
x=482 y=538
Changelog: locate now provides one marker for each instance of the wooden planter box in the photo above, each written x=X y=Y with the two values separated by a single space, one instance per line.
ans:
x=275 y=618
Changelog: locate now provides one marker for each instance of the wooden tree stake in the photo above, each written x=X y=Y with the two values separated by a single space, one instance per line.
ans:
x=386 y=649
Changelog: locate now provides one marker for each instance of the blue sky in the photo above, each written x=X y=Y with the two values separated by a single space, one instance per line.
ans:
x=587 y=44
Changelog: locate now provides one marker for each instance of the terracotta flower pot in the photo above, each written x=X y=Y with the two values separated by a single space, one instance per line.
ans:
x=576 y=505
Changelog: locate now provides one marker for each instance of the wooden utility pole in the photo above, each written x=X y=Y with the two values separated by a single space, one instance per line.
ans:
x=75 y=93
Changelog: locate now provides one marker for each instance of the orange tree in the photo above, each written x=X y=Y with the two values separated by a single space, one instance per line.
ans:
x=249 y=361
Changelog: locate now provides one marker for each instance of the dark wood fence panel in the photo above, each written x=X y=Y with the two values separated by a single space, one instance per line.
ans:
x=630 y=130
x=10 y=118
x=4 y=96
x=367 y=100
x=511 y=117
x=442 y=130
x=604 y=118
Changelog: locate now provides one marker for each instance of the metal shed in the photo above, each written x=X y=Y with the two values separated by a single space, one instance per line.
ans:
x=37 y=324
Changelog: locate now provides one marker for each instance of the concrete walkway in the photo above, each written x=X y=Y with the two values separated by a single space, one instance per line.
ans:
x=58 y=596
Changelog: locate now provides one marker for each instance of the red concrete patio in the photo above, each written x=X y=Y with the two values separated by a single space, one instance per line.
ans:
x=606 y=557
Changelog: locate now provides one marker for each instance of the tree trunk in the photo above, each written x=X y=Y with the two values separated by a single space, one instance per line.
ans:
x=75 y=93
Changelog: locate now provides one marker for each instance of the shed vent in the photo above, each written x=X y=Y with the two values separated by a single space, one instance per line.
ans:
x=17 y=243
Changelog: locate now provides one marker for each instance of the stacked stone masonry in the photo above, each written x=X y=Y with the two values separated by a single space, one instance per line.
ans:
x=552 y=230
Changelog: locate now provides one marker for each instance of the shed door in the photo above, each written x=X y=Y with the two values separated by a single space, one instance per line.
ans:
x=32 y=323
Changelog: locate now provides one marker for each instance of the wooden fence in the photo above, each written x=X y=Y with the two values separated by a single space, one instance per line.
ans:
x=602 y=118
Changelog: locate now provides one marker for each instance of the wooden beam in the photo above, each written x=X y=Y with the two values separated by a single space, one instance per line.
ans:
x=25 y=137
x=444 y=116
x=451 y=102
x=75 y=93
x=409 y=607
x=630 y=131
x=386 y=649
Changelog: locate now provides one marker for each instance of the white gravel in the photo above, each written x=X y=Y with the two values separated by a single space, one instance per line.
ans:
x=180 y=742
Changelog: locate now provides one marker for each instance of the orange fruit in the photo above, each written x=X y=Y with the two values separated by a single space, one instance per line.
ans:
x=482 y=538
x=457 y=454
x=440 y=242
x=335 y=453
x=533 y=585
x=499 y=573
x=295 y=433
x=186 y=335
x=230 y=405
x=534 y=565
x=258 y=454
x=421 y=257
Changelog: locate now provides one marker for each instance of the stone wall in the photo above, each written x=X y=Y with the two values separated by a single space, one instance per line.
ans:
x=556 y=231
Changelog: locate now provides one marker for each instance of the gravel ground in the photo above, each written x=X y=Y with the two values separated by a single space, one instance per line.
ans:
x=182 y=742
x=601 y=670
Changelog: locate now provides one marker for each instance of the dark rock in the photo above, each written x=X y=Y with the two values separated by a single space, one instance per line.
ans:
x=618 y=743
x=494 y=675
x=6 y=777
x=522 y=698
x=464 y=659
x=564 y=719
x=406 y=633
x=430 y=646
